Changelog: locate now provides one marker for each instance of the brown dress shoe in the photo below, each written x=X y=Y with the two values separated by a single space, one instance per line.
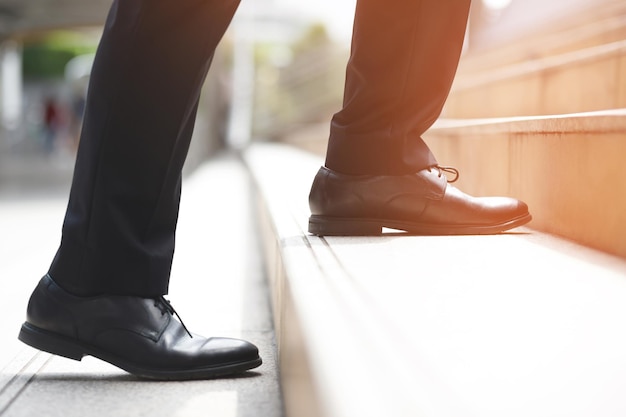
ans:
x=421 y=203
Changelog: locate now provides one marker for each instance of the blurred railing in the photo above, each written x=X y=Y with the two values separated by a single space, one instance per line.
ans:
x=306 y=91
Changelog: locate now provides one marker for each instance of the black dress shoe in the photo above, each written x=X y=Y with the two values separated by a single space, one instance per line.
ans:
x=139 y=335
x=420 y=203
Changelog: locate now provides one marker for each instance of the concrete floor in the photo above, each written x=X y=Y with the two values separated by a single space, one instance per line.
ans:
x=218 y=287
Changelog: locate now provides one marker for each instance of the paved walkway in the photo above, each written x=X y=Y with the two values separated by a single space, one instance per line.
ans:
x=218 y=287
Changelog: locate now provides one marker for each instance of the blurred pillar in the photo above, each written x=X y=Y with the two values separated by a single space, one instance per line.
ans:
x=10 y=84
x=246 y=33
x=242 y=104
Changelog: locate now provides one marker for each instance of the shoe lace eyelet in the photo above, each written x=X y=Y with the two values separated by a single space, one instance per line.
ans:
x=166 y=307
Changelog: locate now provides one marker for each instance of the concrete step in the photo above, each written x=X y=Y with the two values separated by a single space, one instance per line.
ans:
x=569 y=64
x=516 y=324
x=583 y=80
x=568 y=168
x=519 y=33
x=217 y=285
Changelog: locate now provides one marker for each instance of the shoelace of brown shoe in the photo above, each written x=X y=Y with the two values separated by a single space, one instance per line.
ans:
x=448 y=170
x=166 y=307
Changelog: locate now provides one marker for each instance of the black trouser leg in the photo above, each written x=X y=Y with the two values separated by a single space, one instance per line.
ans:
x=403 y=60
x=118 y=234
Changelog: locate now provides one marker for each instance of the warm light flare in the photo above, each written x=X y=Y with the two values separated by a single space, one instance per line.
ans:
x=497 y=4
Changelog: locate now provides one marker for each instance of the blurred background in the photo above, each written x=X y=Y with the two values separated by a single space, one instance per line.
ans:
x=280 y=65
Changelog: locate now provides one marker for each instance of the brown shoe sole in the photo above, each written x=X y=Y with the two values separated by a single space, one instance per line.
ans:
x=336 y=226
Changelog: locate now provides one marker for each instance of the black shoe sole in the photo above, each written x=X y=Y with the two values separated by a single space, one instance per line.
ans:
x=64 y=346
x=337 y=226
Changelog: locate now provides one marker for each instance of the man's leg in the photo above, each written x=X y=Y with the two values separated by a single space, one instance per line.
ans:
x=103 y=295
x=402 y=64
x=379 y=172
x=118 y=235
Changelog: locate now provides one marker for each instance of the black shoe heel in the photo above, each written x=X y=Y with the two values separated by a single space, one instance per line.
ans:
x=50 y=342
x=325 y=226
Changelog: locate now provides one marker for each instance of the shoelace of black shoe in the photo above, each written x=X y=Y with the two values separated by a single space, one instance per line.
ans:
x=166 y=307
x=448 y=170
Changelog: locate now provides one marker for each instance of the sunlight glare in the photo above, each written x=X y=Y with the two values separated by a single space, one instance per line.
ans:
x=497 y=4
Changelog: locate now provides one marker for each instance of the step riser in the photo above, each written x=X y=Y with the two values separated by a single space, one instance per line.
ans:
x=574 y=183
x=299 y=393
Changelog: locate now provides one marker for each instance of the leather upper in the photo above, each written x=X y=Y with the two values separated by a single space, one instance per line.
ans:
x=424 y=197
x=140 y=330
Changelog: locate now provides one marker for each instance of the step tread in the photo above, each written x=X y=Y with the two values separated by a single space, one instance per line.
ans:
x=520 y=323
